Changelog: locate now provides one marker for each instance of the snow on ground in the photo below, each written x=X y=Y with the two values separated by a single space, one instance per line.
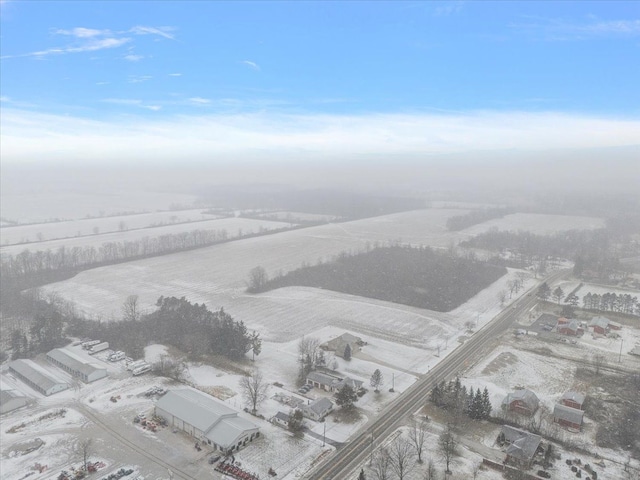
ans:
x=153 y=353
x=287 y=216
x=233 y=226
x=87 y=226
x=569 y=286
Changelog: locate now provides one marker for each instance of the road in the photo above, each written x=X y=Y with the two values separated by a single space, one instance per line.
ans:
x=347 y=459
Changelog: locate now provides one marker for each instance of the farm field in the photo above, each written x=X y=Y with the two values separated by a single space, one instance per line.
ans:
x=296 y=216
x=43 y=206
x=234 y=226
x=536 y=223
x=89 y=226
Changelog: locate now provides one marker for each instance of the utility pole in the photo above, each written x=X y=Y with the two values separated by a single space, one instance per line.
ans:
x=324 y=432
x=620 y=356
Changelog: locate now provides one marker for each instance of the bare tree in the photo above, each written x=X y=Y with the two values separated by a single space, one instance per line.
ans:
x=130 y=309
x=309 y=355
x=402 y=458
x=598 y=361
x=254 y=388
x=257 y=279
x=377 y=380
x=417 y=435
x=447 y=446
x=431 y=473
x=381 y=464
x=84 y=448
x=502 y=296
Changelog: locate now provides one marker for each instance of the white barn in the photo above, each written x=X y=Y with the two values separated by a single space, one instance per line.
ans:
x=11 y=400
x=36 y=377
x=75 y=365
x=207 y=419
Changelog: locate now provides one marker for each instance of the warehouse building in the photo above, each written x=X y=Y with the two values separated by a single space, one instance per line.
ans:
x=207 y=419
x=76 y=365
x=36 y=377
x=11 y=400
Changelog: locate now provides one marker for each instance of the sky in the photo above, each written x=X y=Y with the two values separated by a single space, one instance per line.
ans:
x=133 y=82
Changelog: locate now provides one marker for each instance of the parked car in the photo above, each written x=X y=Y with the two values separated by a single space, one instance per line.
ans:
x=213 y=459
x=544 y=474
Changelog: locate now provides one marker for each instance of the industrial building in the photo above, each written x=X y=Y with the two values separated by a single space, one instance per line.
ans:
x=11 y=400
x=36 y=377
x=76 y=365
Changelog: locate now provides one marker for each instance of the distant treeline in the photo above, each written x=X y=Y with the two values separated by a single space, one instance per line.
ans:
x=589 y=249
x=348 y=205
x=474 y=217
x=612 y=302
x=420 y=277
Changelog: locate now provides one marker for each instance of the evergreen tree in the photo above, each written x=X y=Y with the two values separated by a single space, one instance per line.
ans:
x=347 y=352
x=361 y=476
x=486 y=404
x=436 y=395
x=376 y=380
x=544 y=291
x=346 y=397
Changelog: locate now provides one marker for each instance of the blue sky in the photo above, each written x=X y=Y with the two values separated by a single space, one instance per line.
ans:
x=264 y=78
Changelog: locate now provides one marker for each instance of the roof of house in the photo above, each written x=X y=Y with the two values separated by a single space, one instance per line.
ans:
x=353 y=383
x=601 y=322
x=574 y=396
x=571 y=325
x=525 y=395
x=523 y=445
x=218 y=422
x=74 y=362
x=282 y=416
x=35 y=374
x=569 y=414
x=323 y=378
x=320 y=406
x=635 y=350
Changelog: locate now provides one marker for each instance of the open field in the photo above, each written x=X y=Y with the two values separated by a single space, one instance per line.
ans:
x=234 y=227
x=296 y=216
x=43 y=206
x=90 y=226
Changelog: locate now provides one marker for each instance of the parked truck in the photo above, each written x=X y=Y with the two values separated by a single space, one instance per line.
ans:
x=133 y=365
x=116 y=356
x=142 y=369
x=91 y=343
x=100 y=347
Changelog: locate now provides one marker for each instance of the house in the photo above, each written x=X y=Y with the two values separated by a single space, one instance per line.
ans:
x=573 y=400
x=281 y=419
x=207 y=419
x=568 y=417
x=571 y=327
x=563 y=321
x=635 y=351
x=11 y=400
x=85 y=370
x=615 y=326
x=331 y=383
x=600 y=325
x=37 y=377
x=318 y=409
x=521 y=446
x=339 y=344
x=521 y=401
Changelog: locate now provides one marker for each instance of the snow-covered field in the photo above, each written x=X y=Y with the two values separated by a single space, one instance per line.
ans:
x=287 y=216
x=43 y=206
x=91 y=226
x=233 y=226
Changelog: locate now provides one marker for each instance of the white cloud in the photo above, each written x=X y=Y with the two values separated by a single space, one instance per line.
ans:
x=554 y=29
x=251 y=64
x=175 y=74
x=81 y=32
x=160 y=31
x=28 y=135
x=139 y=78
x=133 y=58
x=199 y=101
x=449 y=8
x=132 y=102
x=90 y=46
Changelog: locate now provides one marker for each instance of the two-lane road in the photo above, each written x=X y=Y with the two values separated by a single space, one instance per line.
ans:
x=345 y=461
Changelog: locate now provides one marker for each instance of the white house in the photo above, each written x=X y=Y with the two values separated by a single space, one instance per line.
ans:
x=207 y=419
x=318 y=409
x=37 y=377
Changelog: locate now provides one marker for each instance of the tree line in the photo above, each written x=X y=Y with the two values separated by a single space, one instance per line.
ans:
x=454 y=397
x=416 y=276
x=474 y=217
x=610 y=302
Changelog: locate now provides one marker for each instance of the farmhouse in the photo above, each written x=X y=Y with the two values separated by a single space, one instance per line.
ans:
x=573 y=400
x=522 y=446
x=11 y=400
x=521 y=401
x=339 y=344
x=207 y=419
x=600 y=325
x=281 y=419
x=331 y=383
x=36 y=377
x=75 y=365
x=568 y=417
x=571 y=327
x=318 y=409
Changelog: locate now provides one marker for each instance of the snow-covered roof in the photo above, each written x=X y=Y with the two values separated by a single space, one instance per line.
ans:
x=525 y=395
x=7 y=395
x=74 y=362
x=574 y=396
x=323 y=378
x=35 y=374
x=219 y=423
x=355 y=384
x=602 y=322
x=282 y=416
x=523 y=445
x=569 y=414
x=320 y=406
